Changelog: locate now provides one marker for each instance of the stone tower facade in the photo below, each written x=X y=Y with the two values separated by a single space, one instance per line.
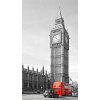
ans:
x=59 y=44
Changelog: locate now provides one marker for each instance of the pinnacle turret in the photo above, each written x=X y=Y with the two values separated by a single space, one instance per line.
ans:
x=59 y=15
x=59 y=18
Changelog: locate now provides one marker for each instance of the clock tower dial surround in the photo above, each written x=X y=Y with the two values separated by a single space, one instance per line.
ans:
x=59 y=44
x=56 y=37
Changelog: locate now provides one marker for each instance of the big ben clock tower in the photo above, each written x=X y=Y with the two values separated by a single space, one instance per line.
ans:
x=59 y=44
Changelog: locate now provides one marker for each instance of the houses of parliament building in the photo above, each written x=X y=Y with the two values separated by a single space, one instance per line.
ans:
x=34 y=80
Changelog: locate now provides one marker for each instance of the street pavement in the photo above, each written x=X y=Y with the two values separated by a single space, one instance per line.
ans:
x=41 y=97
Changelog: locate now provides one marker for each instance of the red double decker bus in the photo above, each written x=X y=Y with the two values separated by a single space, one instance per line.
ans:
x=63 y=89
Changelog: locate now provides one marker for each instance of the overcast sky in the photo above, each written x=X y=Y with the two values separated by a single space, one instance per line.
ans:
x=38 y=17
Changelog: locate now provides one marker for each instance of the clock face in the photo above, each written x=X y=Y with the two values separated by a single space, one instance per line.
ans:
x=56 y=38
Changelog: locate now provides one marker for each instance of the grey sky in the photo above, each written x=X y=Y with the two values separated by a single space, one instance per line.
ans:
x=38 y=18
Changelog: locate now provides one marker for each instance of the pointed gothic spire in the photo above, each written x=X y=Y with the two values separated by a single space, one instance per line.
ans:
x=59 y=19
x=33 y=69
x=28 y=68
x=43 y=70
x=60 y=11
x=37 y=70
x=59 y=15
x=46 y=72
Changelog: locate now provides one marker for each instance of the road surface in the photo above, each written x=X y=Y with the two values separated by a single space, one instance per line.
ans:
x=40 y=97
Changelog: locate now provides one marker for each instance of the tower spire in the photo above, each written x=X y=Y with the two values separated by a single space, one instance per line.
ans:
x=60 y=12
x=59 y=15
x=59 y=18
